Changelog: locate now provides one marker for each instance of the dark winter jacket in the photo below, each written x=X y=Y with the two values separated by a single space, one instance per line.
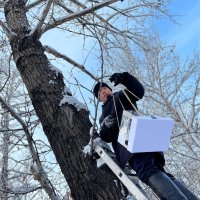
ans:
x=113 y=105
x=108 y=108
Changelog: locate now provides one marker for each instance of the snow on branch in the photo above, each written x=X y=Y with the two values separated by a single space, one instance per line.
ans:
x=69 y=99
x=7 y=31
x=21 y=190
x=77 y=15
x=43 y=180
x=73 y=101
x=24 y=190
x=66 y=58
x=38 y=28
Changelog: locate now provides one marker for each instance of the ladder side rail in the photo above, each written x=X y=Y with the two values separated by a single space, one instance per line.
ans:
x=119 y=173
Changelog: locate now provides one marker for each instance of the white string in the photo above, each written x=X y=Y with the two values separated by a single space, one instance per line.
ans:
x=131 y=102
x=115 y=110
x=134 y=107
x=121 y=103
x=133 y=94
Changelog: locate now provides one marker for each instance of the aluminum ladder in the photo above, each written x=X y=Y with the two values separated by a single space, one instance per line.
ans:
x=138 y=195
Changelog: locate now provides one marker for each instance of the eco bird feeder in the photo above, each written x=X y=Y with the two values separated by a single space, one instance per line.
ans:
x=144 y=133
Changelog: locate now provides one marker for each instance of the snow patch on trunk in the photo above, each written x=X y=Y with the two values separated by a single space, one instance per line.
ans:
x=51 y=82
x=52 y=67
x=69 y=99
x=66 y=91
x=72 y=101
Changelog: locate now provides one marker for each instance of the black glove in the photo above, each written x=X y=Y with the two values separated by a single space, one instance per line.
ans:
x=117 y=78
x=109 y=129
x=110 y=121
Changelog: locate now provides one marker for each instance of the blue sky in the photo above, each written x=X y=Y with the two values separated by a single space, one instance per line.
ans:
x=186 y=34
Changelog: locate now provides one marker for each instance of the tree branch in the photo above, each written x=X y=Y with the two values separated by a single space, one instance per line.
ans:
x=194 y=100
x=1 y=4
x=38 y=28
x=23 y=190
x=32 y=5
x=112 y=28
x=66 y=58
x=77 y=15
x=7 y=31
x=198 y=159
x=96 y=15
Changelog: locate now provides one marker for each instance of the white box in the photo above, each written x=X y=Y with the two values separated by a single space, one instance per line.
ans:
x=146 y=134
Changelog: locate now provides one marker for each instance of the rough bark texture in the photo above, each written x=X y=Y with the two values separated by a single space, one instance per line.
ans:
x=66 y=128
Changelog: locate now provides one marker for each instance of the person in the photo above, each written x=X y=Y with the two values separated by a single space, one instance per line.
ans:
x=148 y=166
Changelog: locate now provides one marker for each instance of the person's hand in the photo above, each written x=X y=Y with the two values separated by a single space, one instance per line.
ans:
x=93 y=133
x=110 y=121
x=109 y=129
x=116 y=78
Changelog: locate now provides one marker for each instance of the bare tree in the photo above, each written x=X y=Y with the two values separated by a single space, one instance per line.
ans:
x=172 y=89
x=65 y=121
x=8 y=129
x=16 y=129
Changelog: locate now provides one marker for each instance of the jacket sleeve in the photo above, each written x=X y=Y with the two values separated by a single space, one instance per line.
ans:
x=132 y=85
x=108 y=134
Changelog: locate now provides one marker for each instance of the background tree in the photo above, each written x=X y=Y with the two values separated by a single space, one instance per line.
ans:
x=17 y=181
x=172 y=89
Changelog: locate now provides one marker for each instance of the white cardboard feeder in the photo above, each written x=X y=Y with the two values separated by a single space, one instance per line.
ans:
x=145 y=134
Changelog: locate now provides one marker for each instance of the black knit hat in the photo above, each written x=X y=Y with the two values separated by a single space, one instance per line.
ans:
x=97 y=87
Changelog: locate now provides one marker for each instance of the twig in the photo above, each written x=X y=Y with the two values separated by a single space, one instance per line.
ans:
x=1 y=4
x=38 y=28
x=79 y=85
x=32 y=5
x=8 y=74
x=96 y=109
x=78 y=14
x=7 y=31
x=185 y=155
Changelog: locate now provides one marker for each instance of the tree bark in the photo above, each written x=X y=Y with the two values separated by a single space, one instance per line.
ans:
x=66 y=127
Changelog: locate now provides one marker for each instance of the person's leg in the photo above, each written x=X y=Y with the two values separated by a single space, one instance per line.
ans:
x=148 y=172
x=164 y=187
x=183 y=188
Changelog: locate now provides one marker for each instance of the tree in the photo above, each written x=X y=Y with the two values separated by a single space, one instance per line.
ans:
x=65 y=121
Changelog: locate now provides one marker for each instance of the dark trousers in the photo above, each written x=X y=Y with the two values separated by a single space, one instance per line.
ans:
x=165 y=186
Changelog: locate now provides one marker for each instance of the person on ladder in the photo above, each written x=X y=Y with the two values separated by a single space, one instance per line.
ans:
x=149 y=166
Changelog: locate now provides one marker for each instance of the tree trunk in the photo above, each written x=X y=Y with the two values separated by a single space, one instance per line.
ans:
x=66 y=127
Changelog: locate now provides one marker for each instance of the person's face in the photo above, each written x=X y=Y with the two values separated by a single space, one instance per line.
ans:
x=104 y=92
